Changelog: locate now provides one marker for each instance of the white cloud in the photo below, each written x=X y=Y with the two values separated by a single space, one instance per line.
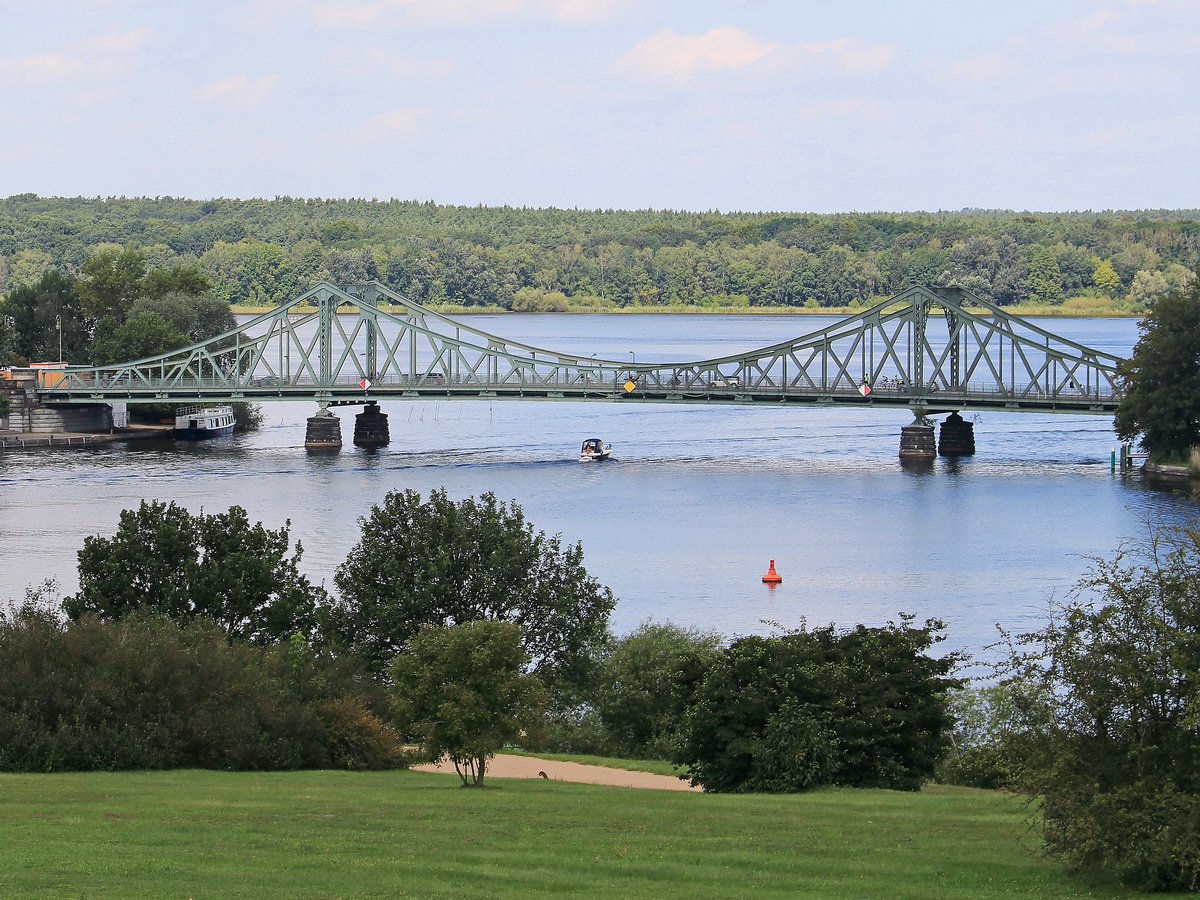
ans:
x=379 y=59
x=119 y=43
x=359 y=14
x=846 y=108
x=679 y=57
x=239 y=91
x=394 y=124
x=1138 y=28
x=88 y=61
x=988 y=68
x=849 y=55
x=43 y=65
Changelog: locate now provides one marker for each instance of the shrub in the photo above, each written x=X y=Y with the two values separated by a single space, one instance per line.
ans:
x=865 y=707
x=150 y=693
x=1118 y=768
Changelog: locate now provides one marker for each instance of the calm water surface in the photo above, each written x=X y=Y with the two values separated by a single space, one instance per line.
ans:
x=682 y=523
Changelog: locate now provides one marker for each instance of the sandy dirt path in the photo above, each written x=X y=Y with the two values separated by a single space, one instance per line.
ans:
x=507 y=766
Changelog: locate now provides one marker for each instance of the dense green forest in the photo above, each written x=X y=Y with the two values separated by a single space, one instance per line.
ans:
x=266 y=251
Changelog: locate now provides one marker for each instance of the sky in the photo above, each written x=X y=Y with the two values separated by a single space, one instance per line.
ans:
x=730 y=105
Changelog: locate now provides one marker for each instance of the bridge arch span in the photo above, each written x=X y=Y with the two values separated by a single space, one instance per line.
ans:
x=333 y=344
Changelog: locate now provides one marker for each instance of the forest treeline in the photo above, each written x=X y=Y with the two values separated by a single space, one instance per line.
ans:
x=267 y=251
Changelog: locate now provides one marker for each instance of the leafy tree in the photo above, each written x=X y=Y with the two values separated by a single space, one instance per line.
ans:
x=250 y=271
x=865 y=707
x=146 y=335
x=1045 y=279
x=997 y=729
x=1161 y=380
x=464 y=690
x=186 y=279
x=644 y=682
x=440 y=562
x=1106 y=280
x=165 y=560
x=110 y=281
x=41 y=313
x=1117 y=767
x=26 y=267
x=8 y=340
x=197 y=318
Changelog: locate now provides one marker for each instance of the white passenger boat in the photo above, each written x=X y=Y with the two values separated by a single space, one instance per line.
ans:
x=594 y=449
x=203 y=421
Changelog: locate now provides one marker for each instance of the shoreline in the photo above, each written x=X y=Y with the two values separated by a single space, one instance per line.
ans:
x=36 y=440
x=788 y=311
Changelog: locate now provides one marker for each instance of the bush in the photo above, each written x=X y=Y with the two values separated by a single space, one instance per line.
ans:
x=150 y=693
x=998 y=729
x=864 y=707
x=643 y=684
x=1118 y=767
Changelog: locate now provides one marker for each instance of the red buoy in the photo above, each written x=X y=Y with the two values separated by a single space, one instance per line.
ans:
x=772 y=577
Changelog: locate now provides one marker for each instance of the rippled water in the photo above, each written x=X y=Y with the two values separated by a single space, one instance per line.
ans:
x=682 y=522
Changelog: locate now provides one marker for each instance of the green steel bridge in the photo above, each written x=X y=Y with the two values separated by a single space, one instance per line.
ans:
x=930 y=350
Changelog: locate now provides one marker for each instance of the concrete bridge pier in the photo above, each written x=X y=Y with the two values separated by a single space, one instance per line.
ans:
x=917 y=440
x=957 y=436
x=324 y=432
x=371 y=427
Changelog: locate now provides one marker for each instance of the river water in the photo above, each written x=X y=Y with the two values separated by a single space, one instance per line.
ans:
x=682 y=523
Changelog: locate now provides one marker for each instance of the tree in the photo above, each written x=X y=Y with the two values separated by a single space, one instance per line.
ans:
x=111 y=280
x=26 y=267
x=146 y=335
x=197 y=318
x=998 y=727
x=865 y=707
x=463 y=689
x=1160 y=382
x=1044 y=279
x=440 y=562
x=1106 y=280
x=644 y=683
x=181 y=279
x=1117 y=767
x=165 y=560
x=42 y=313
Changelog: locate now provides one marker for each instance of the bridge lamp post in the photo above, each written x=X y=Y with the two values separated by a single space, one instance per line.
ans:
x=58 y=325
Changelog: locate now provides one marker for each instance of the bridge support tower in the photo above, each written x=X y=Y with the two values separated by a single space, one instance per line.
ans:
x=324 y=432
x=371 y=427
x=917 y=440
x=957 y=437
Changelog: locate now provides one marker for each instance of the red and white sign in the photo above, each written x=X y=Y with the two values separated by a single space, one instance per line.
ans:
x=864 y=389
x=364 y=384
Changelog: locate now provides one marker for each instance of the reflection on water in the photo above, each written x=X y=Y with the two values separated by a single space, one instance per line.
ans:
x=682 y=522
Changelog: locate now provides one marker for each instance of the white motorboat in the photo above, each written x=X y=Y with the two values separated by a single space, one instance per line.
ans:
x=203 y=421
x=594 y=449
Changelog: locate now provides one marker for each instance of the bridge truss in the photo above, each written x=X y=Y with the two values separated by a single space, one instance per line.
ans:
x=337 y=344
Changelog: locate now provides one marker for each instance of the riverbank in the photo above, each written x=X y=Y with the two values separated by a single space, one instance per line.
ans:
x=59 y=439
x=1068 y=310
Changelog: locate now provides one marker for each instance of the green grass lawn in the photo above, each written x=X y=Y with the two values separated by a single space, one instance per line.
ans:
x=411 y=834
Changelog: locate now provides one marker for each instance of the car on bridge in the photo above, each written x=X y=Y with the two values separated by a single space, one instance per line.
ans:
x=725 y=381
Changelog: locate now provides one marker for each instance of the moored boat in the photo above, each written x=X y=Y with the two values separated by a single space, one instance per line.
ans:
x=594 y=449
x=203 y=421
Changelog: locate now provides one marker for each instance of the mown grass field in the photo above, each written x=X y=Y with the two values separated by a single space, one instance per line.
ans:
x=409 y=834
